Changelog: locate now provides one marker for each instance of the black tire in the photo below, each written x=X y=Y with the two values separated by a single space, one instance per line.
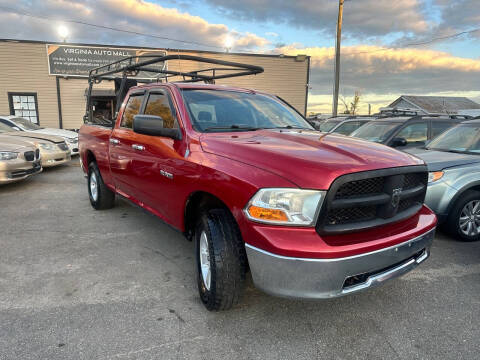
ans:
x=104 y=198
x=227 y=259
x=453 y=220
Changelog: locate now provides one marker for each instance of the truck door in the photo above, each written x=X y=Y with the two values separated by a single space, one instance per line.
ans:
x=159 y=166
x=120 y=148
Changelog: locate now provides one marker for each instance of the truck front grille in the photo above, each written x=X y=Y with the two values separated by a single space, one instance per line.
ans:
x=373 y=198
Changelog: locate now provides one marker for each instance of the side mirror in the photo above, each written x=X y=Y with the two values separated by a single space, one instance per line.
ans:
x=399 y=141
x=153 y=125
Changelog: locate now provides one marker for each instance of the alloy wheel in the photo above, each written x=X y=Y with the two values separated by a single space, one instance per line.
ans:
x=94 y=186
x=205 y=260
x=470 y=218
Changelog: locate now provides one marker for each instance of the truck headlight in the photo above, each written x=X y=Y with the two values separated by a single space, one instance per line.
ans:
x=434 y=176
x=8 y=155
x=47 y=146
x=285 y=206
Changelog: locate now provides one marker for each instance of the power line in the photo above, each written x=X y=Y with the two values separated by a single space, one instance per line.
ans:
x=43 y=17
x=426 y=42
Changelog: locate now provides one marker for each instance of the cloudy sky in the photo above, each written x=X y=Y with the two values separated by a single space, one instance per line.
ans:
x=387 y=47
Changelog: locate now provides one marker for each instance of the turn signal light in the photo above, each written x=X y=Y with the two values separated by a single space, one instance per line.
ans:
x=434 y=176
x=267 y=214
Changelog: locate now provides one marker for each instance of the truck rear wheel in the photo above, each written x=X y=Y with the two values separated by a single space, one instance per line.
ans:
x=464 y=219
x=220 y=260
x=101 y=197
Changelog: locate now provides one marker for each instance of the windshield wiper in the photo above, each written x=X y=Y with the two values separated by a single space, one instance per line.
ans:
x=232 y=127
x=290 y=127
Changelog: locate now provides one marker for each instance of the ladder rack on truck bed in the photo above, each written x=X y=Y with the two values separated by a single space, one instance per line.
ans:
x=130 y=67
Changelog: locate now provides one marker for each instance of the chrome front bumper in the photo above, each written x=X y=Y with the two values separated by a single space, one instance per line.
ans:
x=328 y=278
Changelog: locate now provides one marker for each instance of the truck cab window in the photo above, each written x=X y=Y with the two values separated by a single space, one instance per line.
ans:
x=158 y=104
x=131 y=109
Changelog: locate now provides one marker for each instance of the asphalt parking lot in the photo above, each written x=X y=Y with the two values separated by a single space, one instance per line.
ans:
x=119 y=284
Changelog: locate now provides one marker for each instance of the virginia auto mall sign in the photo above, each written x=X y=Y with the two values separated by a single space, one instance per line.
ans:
x=72 y=60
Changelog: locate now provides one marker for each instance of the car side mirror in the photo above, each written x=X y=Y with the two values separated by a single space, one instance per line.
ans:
x=399 y=141
x=153 y=125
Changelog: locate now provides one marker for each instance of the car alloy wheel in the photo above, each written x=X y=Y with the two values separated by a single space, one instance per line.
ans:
x=205 y=260
x=469 y=220
x=93 y=186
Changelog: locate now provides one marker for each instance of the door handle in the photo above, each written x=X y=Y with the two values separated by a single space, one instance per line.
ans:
x=138 y=147
x=114 y=141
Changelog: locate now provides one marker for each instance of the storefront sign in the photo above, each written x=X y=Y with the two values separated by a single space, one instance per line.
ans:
x=66 y=60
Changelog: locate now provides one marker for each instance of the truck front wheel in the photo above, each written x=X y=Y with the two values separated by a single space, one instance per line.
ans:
x=220 y=260
x=101 y=197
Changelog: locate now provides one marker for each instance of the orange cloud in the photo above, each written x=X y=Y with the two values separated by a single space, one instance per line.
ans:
x=371 y=59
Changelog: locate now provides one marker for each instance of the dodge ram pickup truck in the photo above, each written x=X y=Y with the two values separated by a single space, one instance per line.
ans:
x=246 y=177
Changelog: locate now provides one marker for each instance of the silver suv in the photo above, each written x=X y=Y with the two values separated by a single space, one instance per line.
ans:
x=453 y=161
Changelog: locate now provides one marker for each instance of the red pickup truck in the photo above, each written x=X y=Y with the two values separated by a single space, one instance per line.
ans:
x=309 y=214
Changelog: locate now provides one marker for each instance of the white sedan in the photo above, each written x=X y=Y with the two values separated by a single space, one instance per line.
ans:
x=21 y=124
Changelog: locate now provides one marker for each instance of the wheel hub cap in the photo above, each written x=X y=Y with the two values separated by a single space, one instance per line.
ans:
x=470 y=218
x=205 y=260
x=93 y=186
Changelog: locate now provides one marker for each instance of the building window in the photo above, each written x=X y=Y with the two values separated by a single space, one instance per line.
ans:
x=24 y=105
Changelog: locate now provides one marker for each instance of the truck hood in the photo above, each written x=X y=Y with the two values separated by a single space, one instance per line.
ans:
x=310 y=159
x=439 y=160
x=29 y=135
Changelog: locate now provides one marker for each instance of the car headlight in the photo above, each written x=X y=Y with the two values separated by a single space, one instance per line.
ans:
x=285 y=206
x=434 y=176
x=8 y=155
x=47 y=146
x=72 y=140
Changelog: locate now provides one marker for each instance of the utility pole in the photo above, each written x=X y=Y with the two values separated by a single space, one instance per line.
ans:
x=337 y=57
x=369 y=109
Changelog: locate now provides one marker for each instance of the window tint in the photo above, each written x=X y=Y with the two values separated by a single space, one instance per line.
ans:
x=131 y=109
x=329 y=125
x=159 y=105
x=439 y=127
x=414 y=133
x=347 y=128
x=376 y=131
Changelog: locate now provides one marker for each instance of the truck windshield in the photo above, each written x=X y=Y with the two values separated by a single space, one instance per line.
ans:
x=376 y=131
x=462 y=138
x=219 y=111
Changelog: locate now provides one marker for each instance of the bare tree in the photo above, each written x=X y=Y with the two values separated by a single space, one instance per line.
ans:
x=352 y=108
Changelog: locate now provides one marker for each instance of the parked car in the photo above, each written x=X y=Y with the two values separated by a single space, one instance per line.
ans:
x=21 y=124
x=246 y=177
x=453 y=161
x=344 y=125
x=403 y=132
x=53 y=149
x=18 y=159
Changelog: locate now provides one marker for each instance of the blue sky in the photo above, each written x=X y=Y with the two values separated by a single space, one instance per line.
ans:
x=294 y=33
